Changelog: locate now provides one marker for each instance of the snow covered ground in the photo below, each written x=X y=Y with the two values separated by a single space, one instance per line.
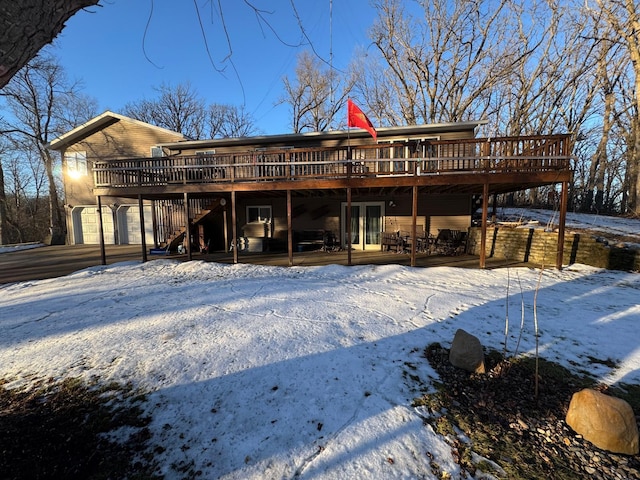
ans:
x=266 y=372
x=19 y=246
x=598 y=224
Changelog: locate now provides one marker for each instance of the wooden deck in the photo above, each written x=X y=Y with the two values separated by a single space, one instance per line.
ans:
x=320 y=258
x=474 y=166
x=530 y=161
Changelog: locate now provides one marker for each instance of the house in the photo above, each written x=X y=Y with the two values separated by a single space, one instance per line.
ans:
x=288 y=192
x=106 y=137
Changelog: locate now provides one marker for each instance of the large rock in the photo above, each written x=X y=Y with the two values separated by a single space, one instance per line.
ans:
x=466 y=352
x=605 y=421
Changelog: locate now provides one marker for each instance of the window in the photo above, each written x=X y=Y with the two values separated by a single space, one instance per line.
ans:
x=157 y=152
x=259 y=213
x=76 y=163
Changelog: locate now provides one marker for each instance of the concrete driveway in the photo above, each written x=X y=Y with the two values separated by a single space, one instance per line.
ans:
x=58 y=260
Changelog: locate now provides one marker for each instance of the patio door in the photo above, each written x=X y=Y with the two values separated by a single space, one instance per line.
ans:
x=366 y=224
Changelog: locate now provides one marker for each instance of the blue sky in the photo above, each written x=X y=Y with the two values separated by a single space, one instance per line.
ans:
x=104 y=48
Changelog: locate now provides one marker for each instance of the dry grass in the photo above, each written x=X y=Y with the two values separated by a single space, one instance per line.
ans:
x=58 y=430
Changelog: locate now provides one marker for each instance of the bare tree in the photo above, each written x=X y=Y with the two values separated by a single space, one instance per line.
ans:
x=607 y=79
x=227 y=121
x=39 y=97
x=27 y=215
x=528 y=67
x=439 y=67
x=624 y=18
x=4 y=234
x=554 y=87
x=183 y=110
x=626 y=128
x=312 y=95
x=178 y=108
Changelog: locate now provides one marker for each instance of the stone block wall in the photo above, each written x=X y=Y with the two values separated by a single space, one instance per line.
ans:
x=539 y=247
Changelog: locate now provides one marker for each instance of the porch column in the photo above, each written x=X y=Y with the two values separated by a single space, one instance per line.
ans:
x=234 y=229
x=103 y=255
x=154 y=221
x=561 y=223
x=225 y=227
x=414 y=213
x=142 y=229
x=483 y=234
x=187 y=232
x=348 y=221
x=289 y=230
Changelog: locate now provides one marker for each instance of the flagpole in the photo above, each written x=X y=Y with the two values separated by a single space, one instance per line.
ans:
x=348 y=219
x=348 y=142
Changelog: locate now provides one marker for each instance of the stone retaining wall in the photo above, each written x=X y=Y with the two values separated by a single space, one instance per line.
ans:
x=539 y=247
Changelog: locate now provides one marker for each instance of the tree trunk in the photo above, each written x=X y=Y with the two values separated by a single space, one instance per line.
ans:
x=57 y=224
x=28 y=25
x=4 y=236
x=599 y=162
x=633 y=42
x=634 y=176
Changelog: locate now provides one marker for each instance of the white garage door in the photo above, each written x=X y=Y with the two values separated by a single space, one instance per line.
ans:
x=86 y=229
x=129 y=224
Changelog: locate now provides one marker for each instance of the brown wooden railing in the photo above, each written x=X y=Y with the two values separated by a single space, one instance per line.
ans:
x=486 y=155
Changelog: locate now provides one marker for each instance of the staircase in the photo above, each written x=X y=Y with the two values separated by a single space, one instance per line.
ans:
x=177 y=237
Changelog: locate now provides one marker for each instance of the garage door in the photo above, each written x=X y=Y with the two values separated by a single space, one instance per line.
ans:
x=129 y=224
x=86 y=228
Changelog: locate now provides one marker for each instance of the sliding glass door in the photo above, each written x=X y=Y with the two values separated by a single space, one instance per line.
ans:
x=366 y=224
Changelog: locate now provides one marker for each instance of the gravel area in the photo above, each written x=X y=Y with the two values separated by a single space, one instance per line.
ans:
x=495 y=424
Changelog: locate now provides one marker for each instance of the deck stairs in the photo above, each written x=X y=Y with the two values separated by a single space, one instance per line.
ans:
x=177 y=236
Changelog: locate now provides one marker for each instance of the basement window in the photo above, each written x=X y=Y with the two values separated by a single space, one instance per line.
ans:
x=259 y=213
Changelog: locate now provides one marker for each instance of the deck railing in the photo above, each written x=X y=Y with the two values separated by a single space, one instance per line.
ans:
x=486 y=155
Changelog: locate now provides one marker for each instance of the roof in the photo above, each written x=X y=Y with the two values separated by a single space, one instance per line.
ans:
x=109 y=118
x=94 y=125
x=293 y=138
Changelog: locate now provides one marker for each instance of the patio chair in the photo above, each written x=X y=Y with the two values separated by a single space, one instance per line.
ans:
x=443 y=244
x=391 y=240
x=330 y=242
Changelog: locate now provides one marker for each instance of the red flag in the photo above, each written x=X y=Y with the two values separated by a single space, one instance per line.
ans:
x=357 y=118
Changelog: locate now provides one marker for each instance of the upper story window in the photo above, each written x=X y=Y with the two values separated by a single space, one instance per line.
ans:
x=76 y=164
x=157 y=152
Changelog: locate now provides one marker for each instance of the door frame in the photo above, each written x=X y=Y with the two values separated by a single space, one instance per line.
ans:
x=361 y=245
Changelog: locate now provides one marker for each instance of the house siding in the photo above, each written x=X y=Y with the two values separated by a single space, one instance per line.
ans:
x=122 y=139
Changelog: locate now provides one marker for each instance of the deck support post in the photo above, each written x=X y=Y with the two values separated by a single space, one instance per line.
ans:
x=414 y=215
x=103 y=254
x=348 y=221
x=483 y=234
x=561 y=224
x=234 y=228
x=289 y=230
x=154 y=221
x=187 y=232
x=143 y=236
x=225 y=228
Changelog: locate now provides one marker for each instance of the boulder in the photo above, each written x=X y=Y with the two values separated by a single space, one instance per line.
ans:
x=605 y=421
x=466 y=352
